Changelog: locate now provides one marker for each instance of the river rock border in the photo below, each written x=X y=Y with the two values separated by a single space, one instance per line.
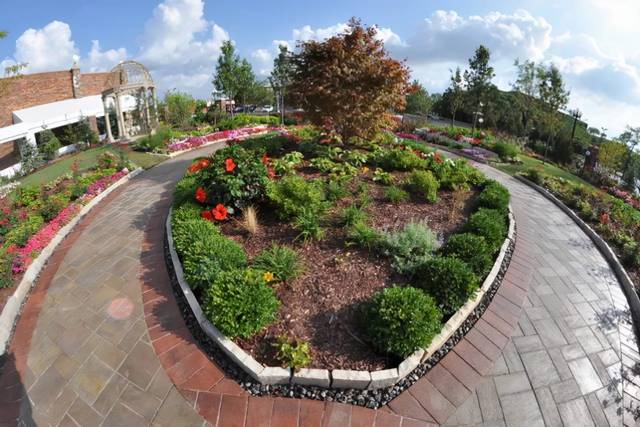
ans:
x=260 y=379
x=621 y=274
x=12 y=309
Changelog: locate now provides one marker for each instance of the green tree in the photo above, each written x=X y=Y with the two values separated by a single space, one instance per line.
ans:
x=553 y=97
x=611 y=154
x=226 y=77
x=478 y=78
x=349 y=83
x=246 y=82
x=418 y=100
x=281 y=77
x=526 y=85
x=455 y=93
x=630 y=138
x=178 y=109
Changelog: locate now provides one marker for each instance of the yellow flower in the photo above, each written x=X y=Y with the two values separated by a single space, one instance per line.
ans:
x=365 y=169
x=268 y=276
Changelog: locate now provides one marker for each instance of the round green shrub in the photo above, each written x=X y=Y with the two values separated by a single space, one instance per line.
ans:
x=425 y=184
x=293 y=194
x=400 y=321
x=410 y=246
x=396 y=159
x=490 y=224
x=450 y=281
x=470 y=248
x=240 y=303
x=494 y=196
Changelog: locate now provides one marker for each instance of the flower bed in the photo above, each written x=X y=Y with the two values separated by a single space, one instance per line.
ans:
x=346 y=239
x=198 y=141
x=627 y=196
x=616 y=221
x=31 y=216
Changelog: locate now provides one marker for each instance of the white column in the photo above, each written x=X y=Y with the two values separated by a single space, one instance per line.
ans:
x=107 y=122
x=31 y=139
x=121 y=124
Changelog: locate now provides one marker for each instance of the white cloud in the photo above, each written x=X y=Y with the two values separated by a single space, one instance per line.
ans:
x=447 y=36
x=101 y=60
x=180 y=46
x=46 y=49
x=262 y=55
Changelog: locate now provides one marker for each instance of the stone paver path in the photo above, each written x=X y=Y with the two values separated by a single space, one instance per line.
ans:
x=101 y=340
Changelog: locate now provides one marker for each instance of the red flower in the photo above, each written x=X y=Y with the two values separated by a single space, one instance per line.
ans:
x=207 y=215
x=265 y=159
x=201 y=195
x=437 y=157
x=219 y=212
x=271 y=172
x=229 y=165
x=199 y=165
x=604 y=218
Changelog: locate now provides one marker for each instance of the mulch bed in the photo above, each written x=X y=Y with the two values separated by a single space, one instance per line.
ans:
x=321 y=306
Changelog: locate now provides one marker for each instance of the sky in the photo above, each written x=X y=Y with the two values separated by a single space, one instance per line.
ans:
x=593 y=42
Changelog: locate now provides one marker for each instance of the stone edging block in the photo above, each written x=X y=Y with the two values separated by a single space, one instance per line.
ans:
x=315 y=377
x=606 y=251
x=11 y=310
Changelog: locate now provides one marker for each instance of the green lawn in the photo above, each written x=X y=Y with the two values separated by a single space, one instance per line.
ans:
x=87 y=159
x=549 y=169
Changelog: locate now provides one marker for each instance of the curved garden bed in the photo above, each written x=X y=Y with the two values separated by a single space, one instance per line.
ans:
x=362 y=256
x=50 y=212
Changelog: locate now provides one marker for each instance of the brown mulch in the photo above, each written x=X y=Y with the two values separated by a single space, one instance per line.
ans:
x=321 y=306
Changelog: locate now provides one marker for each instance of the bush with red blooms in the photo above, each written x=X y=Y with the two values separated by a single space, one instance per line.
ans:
x=232 y=178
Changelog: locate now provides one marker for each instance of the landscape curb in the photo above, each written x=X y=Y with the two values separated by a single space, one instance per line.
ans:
x=343 y=379
x=12 y=309
x=606 y=251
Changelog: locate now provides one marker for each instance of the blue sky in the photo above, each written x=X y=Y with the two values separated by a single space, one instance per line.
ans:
x=592 y=41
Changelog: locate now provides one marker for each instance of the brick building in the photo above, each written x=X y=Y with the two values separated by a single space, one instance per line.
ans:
x=33 y=102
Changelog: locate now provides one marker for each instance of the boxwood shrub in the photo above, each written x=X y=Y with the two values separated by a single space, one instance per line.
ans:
x=240 y=303
x=470 y=248
x=494 y=196
x=399 y=321
x=204 y=252
x=294 y=194
x=490 y=224
x=424 y=184
x=449 y=280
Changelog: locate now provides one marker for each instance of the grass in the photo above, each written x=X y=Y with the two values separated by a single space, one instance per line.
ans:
x=548 y=169
x=86 y=160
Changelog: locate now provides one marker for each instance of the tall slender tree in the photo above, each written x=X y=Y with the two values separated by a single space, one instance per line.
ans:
x=281 y=77
x=526 y=85
x=418 y=100
x=455 y=93
x=553 y=97
x=631 y=139
x=478 y=78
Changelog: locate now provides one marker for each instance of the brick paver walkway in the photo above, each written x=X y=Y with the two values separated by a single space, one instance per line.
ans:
x=101 y=340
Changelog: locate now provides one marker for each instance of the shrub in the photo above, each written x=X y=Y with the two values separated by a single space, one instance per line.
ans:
x=287 y=163
x=205 y=253
x=382 y=177
x=27 y=196
x=400 y=321
x=458 y=175
x=185 y=189
x=489 y=224
x=506 y=151
x=361 y=235
x=424 y=184
x=471 y=249
x=154 y=142
x=107 y=160
x=308 y=224
x=410 y=247
x=240 y=303
x=52 y=205
x=353 y=214
x=245 y=120
x=280 y=260
x=293 y=194
x=534 y=175
x=449 y=280
x=189 y=211
x=494 y=196
x=234 y=178
x=396 y=194
x=293 y=353
x=396 y=159
x=49 y=145
x=270 y=143
x=20 y=235
x=6 y=264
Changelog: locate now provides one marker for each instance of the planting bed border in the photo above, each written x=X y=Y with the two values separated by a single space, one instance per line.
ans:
x=453 y=330
x=12 y=309
x=606 y=251
x=172 y=154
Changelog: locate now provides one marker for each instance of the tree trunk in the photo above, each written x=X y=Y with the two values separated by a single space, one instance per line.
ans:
x=546 y=149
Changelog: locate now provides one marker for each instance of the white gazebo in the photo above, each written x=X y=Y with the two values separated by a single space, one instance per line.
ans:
x=130 y=80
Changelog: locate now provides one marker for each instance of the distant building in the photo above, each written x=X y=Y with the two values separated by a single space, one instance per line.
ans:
x=52 y=100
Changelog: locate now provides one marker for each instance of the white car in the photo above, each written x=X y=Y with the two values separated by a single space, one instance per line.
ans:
x=267 y=108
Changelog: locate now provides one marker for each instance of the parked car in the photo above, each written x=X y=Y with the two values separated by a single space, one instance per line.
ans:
x=267 y=108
